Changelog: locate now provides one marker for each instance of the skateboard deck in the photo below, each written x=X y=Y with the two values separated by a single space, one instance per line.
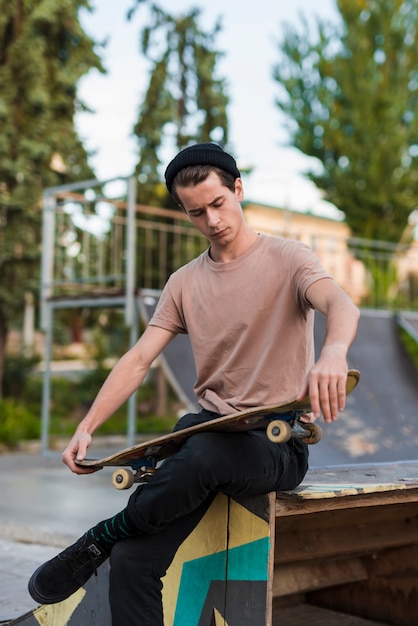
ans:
x=282 y=421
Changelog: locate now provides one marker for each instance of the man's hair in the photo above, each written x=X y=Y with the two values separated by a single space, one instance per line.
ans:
x=195 y=174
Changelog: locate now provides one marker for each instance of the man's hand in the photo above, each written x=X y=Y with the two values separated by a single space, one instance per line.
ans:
x=327 y=395
x=76 y=451
x=326 y=385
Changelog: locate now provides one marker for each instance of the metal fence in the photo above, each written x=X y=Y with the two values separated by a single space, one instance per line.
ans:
x=93 y=242
x=96 y=242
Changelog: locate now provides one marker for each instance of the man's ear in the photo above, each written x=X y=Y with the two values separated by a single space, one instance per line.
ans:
x=239 y=189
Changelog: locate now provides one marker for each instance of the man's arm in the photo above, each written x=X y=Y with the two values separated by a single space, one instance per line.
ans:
x=123 y=380
x=326 y=382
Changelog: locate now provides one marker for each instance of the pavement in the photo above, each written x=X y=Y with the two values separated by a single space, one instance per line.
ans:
x=44 y=508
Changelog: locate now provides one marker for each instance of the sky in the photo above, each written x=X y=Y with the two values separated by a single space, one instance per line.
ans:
x=258 y=137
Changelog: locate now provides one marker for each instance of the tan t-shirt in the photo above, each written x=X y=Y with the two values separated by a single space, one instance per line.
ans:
x=249 y=322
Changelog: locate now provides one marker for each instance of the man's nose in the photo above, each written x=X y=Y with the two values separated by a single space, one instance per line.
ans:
x=212 y=217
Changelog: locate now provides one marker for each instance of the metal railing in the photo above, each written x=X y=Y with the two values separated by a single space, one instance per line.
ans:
x=98 y=244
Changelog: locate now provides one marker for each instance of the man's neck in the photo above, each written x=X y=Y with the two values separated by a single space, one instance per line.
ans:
x=230 y=252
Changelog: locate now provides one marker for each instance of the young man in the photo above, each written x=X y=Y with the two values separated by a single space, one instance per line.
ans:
x=247 y=304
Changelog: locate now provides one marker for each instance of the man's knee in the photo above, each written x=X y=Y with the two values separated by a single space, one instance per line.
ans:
x=142 y=555
x=131 y=554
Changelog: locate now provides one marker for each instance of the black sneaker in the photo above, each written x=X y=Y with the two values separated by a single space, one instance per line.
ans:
x=60 y=577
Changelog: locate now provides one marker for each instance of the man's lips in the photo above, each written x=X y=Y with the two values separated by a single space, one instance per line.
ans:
x=219 y=233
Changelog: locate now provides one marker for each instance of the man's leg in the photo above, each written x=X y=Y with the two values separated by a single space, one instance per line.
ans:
x=137 y=566
x=244 y=463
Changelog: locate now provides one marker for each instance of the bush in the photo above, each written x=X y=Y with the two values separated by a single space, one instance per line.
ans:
x=70 y=400
x=410 y=344
x=17 y=370
x=17 y=423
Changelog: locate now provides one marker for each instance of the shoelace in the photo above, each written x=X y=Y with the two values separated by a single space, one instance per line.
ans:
x=83 y=561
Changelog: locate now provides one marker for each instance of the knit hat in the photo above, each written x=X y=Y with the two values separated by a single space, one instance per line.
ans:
x=200 y=154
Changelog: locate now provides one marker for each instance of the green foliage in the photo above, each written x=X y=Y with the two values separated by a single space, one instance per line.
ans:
x=410 y=344
x=16 y=374
x=350 y=94
x=17 y=423
x=70 y=400
x=185 y=100
x=43 y=53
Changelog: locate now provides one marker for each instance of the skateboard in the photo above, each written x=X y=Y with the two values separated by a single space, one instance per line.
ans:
x=282 y=422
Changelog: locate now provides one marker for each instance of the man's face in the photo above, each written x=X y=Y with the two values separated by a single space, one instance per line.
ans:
x=214 y=209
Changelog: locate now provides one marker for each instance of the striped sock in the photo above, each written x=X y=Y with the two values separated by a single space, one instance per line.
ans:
x=112 y=530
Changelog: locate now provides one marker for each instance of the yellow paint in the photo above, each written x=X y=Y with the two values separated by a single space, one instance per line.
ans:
x=219 y=620
x=313 y=492
x=59 y=614
x=210 y=537
x=244 y=526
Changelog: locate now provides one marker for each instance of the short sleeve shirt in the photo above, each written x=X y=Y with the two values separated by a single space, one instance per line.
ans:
x=249 y=322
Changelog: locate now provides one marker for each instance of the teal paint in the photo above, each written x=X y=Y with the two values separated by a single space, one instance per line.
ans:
x=246 y=562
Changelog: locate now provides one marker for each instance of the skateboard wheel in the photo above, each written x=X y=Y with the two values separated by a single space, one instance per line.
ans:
x=122 y=479
x=279 y=431
x=315 y=433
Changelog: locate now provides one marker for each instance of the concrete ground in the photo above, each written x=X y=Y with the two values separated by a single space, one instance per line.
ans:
x=44 y=507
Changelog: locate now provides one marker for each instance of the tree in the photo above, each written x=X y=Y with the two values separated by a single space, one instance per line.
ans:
x=351 y=95
x=43 y=53
x=184 y=101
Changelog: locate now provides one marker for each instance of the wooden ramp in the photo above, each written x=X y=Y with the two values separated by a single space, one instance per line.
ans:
x=347 y=540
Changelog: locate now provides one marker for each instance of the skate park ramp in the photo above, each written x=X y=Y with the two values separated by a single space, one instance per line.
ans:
x=177 y=358
x=380 y=422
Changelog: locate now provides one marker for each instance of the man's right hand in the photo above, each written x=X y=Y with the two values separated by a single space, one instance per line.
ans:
x=76 y=451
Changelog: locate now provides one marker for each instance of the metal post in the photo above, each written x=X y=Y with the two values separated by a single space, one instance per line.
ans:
x=130 y=253
x=47 y=260
x=131 y=426
x=131 y=310
x=46 y=388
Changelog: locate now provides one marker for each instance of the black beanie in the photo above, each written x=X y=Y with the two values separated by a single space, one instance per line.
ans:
x=200 y=154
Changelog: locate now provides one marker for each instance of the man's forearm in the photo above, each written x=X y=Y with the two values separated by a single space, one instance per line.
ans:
x=122 y=382
x=342 y=319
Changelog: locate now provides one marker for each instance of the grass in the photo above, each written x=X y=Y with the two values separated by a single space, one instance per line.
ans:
x=410 y=345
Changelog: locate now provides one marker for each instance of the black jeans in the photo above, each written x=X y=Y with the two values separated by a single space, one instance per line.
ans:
x=168 y=508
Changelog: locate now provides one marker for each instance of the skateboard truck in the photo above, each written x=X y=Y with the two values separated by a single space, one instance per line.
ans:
x=284 y=427
x=143 y=470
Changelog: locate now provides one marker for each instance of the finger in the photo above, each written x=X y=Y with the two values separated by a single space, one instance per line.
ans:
x=314 y=395
x=342 y=392
x=332 y=397
x=307 y=418
x=82 y=451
